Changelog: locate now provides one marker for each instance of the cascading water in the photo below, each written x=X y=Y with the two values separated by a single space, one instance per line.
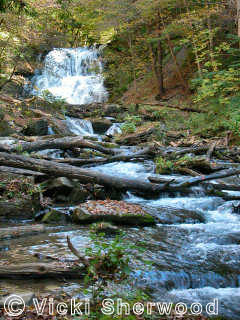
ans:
x=79 y=126
x=74 y=75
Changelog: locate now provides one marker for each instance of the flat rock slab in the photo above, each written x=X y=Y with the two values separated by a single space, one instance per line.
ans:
x=22 y=298
x=19 y=231
x=18 y=209
x=119 y=212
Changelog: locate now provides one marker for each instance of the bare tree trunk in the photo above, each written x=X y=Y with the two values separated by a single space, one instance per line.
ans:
x=158 y=65
x=195 y=50
x=61 y=143
x=170 y=45
x=42 y=270
x=238 y=17
x=132 y=64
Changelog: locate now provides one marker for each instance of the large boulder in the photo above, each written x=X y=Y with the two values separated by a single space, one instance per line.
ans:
x=112 y=109
x=119 y=212
x=170 y=215
x=60 y=127
x=36 y=128
x=105 y=227
x=18 y=209
x=101 y=125
x=5 y=129
x=17 y=199
x=61 y=184
x=54 y=217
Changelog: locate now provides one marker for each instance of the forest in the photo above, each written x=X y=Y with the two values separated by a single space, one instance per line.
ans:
x=120 y=159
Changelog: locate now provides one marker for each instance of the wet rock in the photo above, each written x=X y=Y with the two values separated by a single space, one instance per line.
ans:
x=105 y=227
x=169 y=215
x=112 y=109
x=18 y=209
x=114 y=129
x=118 y=212
x=79 y=194
x=54 y=216
x=61 y=185
x=142 y=135
x=5 y=141
x=37 y=128
x=101 y=125
x=5 y=129
x=26 y=297
x=82 y=193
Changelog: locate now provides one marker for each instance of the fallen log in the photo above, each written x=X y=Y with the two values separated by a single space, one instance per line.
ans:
x=54 y=270
x=226 y=196
x=201 y=164
x=85 y=176
x=222 y=186
x=19 y=231
x=142 y=154
x=21 y=172
x=136 y=138
x=189 y=172
x=213 y=176
x=90 y=176
x=61 y=143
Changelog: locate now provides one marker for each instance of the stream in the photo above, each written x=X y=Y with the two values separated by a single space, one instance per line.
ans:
x=195 y=247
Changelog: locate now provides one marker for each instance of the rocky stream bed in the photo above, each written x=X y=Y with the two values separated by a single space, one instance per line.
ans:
x=190 y=226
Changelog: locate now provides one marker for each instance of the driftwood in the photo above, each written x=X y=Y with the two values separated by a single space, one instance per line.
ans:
x=61 y=143
x=226 y=196
x=213 y=176
x=136 y=138
x=54 y=270
x=211 y=150
x=21 y=172
x=189 y=172
x=19 y=231
x=222 y=186
x=142 y=154
x=81 y=259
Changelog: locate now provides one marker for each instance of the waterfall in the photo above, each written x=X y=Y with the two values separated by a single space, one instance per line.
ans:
x=114 y=129
x=74 y=75
x=79 y=126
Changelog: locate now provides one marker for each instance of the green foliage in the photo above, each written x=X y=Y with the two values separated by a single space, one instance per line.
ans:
x=133 y=119
x=163 y=166
x=218 y=87
x=56 y=103
x=12 y=5
x=108 y=259
x=128 y=127
x=131 y=123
